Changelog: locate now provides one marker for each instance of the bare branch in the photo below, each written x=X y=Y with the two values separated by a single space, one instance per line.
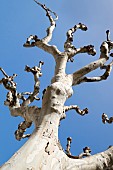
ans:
x=52 y=22
x=104 y=56
x=108 y=35
x=106 y=119
x=100 y=78
x=70 y=48
x=89 y=49
x=68 y=146
x=52 y=49
x=19 y=134
x=36 y=71
x=75 y=107
x=110 y=43
x=7 y=81
x=13 y=98
x=105 y=49
x=45 y=8
x=33 y=40
x=87 y=69
x=70 y=32
x=86 y=151
x=10 y=85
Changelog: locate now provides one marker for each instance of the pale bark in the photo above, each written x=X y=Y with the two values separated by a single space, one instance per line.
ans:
x=42 y=151
x=99 y=78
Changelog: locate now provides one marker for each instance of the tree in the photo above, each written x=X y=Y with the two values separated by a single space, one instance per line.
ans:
x=42 y=150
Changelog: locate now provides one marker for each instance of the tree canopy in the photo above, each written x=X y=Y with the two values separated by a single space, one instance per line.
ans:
x=85 y=131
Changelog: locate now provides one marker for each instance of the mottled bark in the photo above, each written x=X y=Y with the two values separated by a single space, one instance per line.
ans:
x=42 y=150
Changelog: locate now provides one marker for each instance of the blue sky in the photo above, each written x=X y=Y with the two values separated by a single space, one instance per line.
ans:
x=18 y=20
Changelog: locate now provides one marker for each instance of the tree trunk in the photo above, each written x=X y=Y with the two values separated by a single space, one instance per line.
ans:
x=43 y=151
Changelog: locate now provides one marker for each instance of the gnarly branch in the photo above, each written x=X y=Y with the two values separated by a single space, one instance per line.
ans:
x=17 y=109
x=70 y=32
x=36 y=71
x=21 y=109
x=13 y=98
x=19 y=134
x=30 y=115
x=7 y=81
x=23 y=98
x=106 y=119
x=33 y=40
x=75 y=107
x=86 y=151
x=100 y=78
x=105 y=49
x=102 y=161
x=52 y=22
x=10 y=85
x=89 y=49
x=70 y=48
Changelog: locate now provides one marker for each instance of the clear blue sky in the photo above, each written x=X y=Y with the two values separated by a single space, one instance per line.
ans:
x=18 y=20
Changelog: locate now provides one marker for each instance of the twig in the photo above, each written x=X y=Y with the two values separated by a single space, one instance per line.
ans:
x=86 y=151
x=69 y=140
x=44 y=7
x=106 y=119
x=75 y=107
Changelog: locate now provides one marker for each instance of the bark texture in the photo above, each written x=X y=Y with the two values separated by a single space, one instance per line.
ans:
x=42 y=151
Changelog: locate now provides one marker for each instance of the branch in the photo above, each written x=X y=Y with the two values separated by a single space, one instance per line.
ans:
x=68 y=146
x=105 y=49
x=70 y=32
x=86 y=151
x=70 y=48
x=7 y=81
x=10 y=85
x=33 y=40
x=106 y=119
x=13 y=98
x=52 y=22
x=103 y=160
x=110 y=43
x=75 y=107
x=100 y=161
x=92 y=66
x=47 y=9
x=89 y=49
x=30 y=114
x=100 y=78
x=19 y=134
x=36 y=71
